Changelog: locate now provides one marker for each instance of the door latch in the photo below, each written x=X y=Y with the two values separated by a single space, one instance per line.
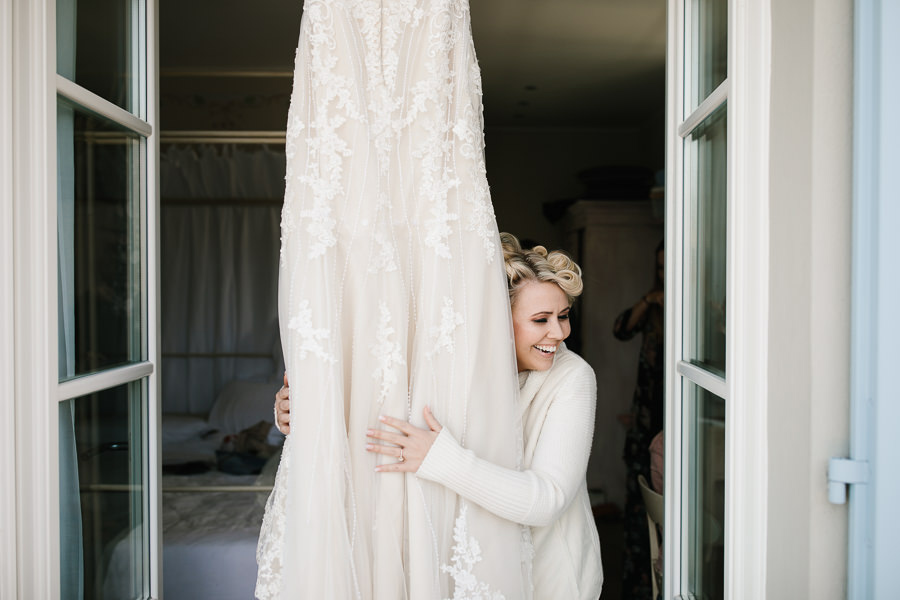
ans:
x=843 y=472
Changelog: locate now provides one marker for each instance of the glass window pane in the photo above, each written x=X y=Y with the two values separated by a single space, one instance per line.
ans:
x=103 y=529
x=709 y=33
x=707 y=179
x=706 y=530
x=99 y=244
x=95 y=44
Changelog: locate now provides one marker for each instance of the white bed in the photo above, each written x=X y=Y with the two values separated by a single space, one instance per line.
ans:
x=209 y=538
x=210 y=520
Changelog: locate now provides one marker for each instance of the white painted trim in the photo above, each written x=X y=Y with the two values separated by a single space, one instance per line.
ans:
x=154 y=348
x=748 y=96
x=7 y=314
x=88 y=99
x=873 y=526
x=885 y=495
x=709 y=105
x=34 y=230
x=674 y=542
x=139 y=65
x=746 y=497
x=89 y=384
x=703 y=378
x=864 y=307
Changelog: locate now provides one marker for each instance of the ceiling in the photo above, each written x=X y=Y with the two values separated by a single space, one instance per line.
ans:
x=545 y=63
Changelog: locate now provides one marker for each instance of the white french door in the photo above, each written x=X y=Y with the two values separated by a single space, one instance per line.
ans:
x=78 y=304
x=715 y=300
x=106 y=298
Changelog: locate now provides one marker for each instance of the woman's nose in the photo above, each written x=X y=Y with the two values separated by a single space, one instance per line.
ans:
x=556 y=331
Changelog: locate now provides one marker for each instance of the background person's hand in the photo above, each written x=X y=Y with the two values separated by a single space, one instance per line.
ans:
x=283 y=408
x=414 y=442
x=655 y=297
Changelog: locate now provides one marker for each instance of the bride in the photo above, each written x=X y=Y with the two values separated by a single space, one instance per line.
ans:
x=557 y=400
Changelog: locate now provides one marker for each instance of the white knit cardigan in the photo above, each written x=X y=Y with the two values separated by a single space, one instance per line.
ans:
x=550 y=495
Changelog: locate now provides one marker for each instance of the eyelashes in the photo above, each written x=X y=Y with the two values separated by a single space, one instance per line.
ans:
x=564 y=317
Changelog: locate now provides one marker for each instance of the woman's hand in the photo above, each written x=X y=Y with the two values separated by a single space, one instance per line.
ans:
x=283 y=408
x=410 y=446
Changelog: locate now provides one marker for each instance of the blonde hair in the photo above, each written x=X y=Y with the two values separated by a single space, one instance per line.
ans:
x=537 y=264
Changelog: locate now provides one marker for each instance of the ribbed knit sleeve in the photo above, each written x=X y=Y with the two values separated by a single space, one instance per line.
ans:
x=539 y=495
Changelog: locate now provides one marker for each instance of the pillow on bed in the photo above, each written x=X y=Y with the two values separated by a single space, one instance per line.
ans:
x=181 y=428
x=242 y=404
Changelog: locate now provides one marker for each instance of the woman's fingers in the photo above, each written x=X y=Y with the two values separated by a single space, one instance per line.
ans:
x=393 y=452
x=382 y=449
x=397 y=424
x=412 y=445
x=283 y=408
x=397 y=467
x=386 y=436
x=432 y=422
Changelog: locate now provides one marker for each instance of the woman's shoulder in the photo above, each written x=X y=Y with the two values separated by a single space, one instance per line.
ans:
x=570 y=361
x=568 y=366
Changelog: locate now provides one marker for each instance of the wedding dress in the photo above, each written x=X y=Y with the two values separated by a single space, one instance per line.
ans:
x=392 y=296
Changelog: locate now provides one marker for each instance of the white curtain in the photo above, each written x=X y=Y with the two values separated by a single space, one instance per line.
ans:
x=219 y=269
x=222 y=172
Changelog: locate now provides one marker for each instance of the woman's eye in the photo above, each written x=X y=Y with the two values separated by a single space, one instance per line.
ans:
x=540 y=320
x=563 y=317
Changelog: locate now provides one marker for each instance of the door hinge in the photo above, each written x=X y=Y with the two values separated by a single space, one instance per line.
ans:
x=843 y=472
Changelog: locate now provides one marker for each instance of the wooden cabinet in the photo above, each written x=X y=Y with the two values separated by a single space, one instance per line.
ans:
x=614 y=242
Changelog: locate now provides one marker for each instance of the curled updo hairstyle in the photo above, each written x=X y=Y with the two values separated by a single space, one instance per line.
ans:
x=537 y=264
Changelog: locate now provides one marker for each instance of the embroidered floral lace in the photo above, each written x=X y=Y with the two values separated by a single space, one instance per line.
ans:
x=392 y=296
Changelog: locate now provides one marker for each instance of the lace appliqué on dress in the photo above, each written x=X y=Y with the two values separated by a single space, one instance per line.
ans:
x=311 y=338
x=481 y=218
x=387 y=353
x=385 y=257
x=436 y=183
x=442 y=335
x=294 y=130
x=271 y=535
x=381 y=27
x=528 y=555
x=466 y=554
x=334 y=106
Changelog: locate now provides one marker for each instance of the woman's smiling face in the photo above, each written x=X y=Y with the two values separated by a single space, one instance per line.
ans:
x=540 y=322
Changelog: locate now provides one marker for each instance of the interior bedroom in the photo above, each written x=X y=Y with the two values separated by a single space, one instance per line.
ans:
x=574 y=96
